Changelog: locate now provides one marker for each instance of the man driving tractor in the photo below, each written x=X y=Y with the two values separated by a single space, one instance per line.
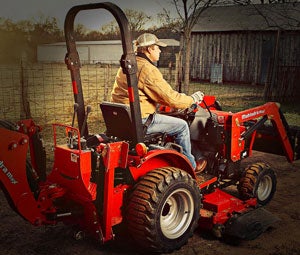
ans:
x=153 y=90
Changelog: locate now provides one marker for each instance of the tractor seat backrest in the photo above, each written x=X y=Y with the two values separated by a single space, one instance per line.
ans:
x=117 y=119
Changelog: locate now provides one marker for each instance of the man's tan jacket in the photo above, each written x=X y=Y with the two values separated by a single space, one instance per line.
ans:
x=153 y=89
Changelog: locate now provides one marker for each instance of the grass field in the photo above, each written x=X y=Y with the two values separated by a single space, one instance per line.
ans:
x=236 y=98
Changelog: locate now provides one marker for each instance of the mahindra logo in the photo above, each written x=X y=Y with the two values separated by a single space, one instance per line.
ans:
x=8 y=174
x=252 y=114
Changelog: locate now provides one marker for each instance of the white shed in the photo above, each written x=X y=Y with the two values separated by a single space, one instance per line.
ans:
x=91 y=52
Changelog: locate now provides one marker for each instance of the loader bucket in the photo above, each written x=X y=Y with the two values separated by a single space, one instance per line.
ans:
x=267 y=140
x=250 y=225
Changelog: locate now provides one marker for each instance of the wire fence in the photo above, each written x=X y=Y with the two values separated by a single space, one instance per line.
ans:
x=44 y=91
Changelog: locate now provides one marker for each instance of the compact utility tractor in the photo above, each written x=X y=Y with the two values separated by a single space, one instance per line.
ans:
x=123 y=176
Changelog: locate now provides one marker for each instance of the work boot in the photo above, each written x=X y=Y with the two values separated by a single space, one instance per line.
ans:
x=200 y=165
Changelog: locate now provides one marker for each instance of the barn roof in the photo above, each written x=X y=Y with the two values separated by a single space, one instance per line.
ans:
x=250 y=17
x=169 y=42
x=108 y=42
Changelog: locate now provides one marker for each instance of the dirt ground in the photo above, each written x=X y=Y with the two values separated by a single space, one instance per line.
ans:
x=19 y=237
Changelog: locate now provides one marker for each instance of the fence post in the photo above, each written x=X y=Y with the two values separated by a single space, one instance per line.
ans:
x=170 y=72
x=178 y=73
x=107 y=80
x=24 y=101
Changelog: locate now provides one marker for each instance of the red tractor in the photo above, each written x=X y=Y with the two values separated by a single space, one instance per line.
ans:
x=123 y=176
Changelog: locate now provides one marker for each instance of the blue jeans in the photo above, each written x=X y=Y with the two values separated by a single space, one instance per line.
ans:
x=173 y=127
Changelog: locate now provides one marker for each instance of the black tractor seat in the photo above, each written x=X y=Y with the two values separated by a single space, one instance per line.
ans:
x=117 y=118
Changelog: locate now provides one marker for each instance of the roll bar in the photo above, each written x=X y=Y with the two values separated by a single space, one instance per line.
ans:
x=128 y=64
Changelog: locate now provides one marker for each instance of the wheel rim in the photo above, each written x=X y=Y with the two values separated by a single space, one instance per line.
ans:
x=264 y=188
x=177 y=213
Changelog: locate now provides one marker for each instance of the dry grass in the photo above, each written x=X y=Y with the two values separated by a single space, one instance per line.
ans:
x=50 y=95
x=236 y=98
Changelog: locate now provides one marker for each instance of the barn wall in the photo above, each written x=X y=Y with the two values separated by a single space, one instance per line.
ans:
x=105 y=53
x=56 y=53
x=244 y=56
x=96 y=53
x=90 y=54
x=46 y=53
x=289 y=49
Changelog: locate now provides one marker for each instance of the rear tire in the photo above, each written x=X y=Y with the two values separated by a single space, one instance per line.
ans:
x=258 y=181
x=163 y=209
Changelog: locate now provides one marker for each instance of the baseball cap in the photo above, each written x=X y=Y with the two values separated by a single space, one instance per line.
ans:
x=148 y=39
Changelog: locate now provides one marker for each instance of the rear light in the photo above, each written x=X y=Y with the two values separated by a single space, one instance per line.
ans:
x=141 y=149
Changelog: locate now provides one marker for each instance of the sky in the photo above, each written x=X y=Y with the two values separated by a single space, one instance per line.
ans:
x=27 y=9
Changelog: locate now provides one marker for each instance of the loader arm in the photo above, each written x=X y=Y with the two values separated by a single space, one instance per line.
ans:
x=269 y=111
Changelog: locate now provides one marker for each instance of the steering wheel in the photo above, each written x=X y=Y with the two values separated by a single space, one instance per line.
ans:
x=185 y=114
x=208 y=103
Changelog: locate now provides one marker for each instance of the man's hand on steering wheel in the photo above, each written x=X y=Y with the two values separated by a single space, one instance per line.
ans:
x=197 y=97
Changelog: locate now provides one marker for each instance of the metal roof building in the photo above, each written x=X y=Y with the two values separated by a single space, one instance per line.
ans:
x=90 y=52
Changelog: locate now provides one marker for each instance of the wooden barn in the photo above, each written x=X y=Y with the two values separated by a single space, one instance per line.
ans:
x=247 y=44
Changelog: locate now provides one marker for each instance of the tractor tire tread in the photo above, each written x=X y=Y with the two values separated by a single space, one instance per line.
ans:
x=143 y=201
x=247 y=186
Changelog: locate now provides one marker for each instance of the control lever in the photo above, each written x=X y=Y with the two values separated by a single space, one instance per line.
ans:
x=70 y=132
x=191 y=109
x=207 y=108
x=88 y=110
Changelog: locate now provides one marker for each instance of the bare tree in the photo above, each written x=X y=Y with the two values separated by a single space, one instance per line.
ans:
x=80 y=32
x=280 y=16
x=188 y=15
x=137 y=21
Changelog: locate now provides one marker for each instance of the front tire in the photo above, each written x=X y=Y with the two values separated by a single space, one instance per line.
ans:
x=258 y=181
x=163 y=209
